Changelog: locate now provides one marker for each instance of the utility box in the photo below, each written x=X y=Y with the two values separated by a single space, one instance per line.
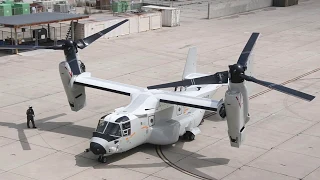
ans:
x=47 y=5
x=125 y=6
x=103 y=4
x=171 y=17
x=284 y=3
x=98 y=4
x=5 y=10
x=21 y=8
x=116 y=7
x=62 y=8
x=40 y=34
x=120 y=7
x=136 y=6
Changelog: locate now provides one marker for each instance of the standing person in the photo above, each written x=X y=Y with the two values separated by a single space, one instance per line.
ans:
x=30 y=115
x=34 y=9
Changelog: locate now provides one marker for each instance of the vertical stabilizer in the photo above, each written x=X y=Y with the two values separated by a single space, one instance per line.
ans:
x=191 y=63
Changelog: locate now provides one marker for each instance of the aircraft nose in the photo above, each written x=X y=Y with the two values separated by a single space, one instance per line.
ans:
x=97 y=148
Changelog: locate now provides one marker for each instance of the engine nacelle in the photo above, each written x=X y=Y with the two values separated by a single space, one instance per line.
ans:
x=235 y=117
x=76 y=94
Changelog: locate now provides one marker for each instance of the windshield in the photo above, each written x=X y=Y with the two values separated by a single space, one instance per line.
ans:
x=109 y=128
x=113 y=129
x=101 y=126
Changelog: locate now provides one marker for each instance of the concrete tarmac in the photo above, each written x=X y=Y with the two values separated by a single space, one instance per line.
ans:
x=283 y=136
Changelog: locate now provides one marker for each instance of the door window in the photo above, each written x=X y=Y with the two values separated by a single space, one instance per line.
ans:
x=126 y=128
x=179 y=110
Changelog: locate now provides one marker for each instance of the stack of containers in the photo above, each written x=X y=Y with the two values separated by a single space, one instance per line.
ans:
x=5 y=10
x=21 y=8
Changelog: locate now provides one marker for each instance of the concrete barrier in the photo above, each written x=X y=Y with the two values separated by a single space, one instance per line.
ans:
x=235 y=6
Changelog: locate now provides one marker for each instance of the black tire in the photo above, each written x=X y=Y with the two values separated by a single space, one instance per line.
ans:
x=100 y=158
x=104 y=159
x=222 y=112
x=191 y=136
x=186 y=136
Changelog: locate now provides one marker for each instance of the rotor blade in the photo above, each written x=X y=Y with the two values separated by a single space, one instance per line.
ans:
x=217 y=78
x=280 y=88
x=247 y=49
x=29 y=47
x=82 y=43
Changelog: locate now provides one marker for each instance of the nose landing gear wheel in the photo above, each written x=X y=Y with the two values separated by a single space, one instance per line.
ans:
x=189 y=136
x=102 y=159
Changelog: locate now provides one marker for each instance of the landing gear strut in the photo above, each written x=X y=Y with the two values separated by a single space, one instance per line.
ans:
x=189 y=136
x=102 y=159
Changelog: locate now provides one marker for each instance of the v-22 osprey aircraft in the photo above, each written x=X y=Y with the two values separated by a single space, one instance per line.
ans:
x=156 y=116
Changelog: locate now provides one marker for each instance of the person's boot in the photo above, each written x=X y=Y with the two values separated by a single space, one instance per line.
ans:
x=34 y=127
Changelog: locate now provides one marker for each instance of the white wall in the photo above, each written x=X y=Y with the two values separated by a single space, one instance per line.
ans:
x=236 y=6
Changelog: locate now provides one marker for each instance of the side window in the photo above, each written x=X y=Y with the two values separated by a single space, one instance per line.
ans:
x=126 y=128
x=179 y=110
x=151 y=120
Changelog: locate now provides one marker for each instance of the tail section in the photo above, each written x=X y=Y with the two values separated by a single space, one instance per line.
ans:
x=191 y=64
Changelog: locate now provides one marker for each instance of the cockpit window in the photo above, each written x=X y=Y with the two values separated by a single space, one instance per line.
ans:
x=113 y=129
x=122 y=119
x=101 y=125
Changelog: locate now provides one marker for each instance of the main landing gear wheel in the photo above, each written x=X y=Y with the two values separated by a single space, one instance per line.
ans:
x=222 y=112
x=189 y=136
x=102 y=159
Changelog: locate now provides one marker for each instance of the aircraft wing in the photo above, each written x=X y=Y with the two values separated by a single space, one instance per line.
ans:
x=195 y=102
x=85 y=79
